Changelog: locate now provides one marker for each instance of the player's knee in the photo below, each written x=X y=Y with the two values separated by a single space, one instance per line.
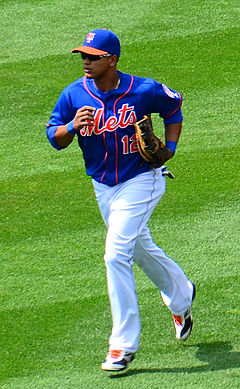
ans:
x=116 y=257
x=118 y=250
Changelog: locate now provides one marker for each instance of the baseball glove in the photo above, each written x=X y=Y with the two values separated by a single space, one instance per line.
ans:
x=151 y=148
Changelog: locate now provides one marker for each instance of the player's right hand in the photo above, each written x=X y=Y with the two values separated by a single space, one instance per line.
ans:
x=84 y=117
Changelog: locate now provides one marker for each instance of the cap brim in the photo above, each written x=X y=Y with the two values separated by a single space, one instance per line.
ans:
x=89 y=50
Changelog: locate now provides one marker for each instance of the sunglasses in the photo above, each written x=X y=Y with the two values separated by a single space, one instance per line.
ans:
x=94 y=57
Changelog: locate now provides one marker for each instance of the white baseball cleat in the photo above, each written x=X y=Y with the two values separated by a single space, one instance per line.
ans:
x=183 y=324
x=117 y=360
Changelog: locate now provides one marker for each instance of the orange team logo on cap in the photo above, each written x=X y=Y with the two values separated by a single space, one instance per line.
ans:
x=90 y=37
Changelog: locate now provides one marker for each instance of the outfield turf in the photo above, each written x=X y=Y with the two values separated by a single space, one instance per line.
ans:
x=54 y=311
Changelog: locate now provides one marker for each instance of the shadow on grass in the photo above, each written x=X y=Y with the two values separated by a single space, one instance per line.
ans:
x=216 y=356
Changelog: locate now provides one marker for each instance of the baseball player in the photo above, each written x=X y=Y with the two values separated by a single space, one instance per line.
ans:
x=101 y=109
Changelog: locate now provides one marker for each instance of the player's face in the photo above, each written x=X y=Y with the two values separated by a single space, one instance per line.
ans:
x=96 y=68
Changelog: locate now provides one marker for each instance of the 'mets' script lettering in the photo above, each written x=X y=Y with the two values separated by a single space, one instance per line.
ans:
x=127 y=117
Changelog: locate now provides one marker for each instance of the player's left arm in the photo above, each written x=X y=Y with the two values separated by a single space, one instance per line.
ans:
x=172 y=134
x=168 y=103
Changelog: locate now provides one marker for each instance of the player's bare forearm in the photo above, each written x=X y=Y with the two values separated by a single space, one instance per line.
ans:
x=172 y=134
x=173 y=131
x=84 y=117
x=63 y=138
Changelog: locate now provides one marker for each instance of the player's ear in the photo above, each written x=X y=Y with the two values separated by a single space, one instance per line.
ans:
x=114 y=60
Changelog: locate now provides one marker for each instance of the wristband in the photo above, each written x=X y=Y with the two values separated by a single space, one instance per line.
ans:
x=71 y=129
x=171 y=145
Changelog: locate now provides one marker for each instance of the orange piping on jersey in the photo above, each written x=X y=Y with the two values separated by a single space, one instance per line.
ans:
x=114 y=111
x=105 y=158
x=179 y=105
x=103 y=119
x=95 y=97
x=124 y=94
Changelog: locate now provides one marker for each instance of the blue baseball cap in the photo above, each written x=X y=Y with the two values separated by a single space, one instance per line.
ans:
x=100 y=42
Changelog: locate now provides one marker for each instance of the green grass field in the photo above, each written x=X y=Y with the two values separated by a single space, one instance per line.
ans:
x=54 y=311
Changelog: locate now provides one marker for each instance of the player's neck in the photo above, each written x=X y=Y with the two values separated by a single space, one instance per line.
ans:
x=107 y=83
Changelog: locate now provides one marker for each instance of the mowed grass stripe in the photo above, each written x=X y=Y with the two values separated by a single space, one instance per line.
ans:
x=23 y=21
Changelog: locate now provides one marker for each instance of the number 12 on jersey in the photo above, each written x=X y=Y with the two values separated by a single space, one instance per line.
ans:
x=129 y=144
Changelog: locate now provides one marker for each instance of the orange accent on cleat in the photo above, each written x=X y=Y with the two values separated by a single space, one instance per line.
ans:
x=115 y=353
x=178 y=320
x=117 y=360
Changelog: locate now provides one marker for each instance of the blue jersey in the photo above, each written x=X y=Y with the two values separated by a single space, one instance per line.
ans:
x=109 y=147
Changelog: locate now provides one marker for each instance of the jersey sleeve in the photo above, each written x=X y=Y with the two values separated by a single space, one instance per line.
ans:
x=62 y=114
x=167 y=103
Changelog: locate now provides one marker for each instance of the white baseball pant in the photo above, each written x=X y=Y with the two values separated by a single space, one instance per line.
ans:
x=126 y=209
